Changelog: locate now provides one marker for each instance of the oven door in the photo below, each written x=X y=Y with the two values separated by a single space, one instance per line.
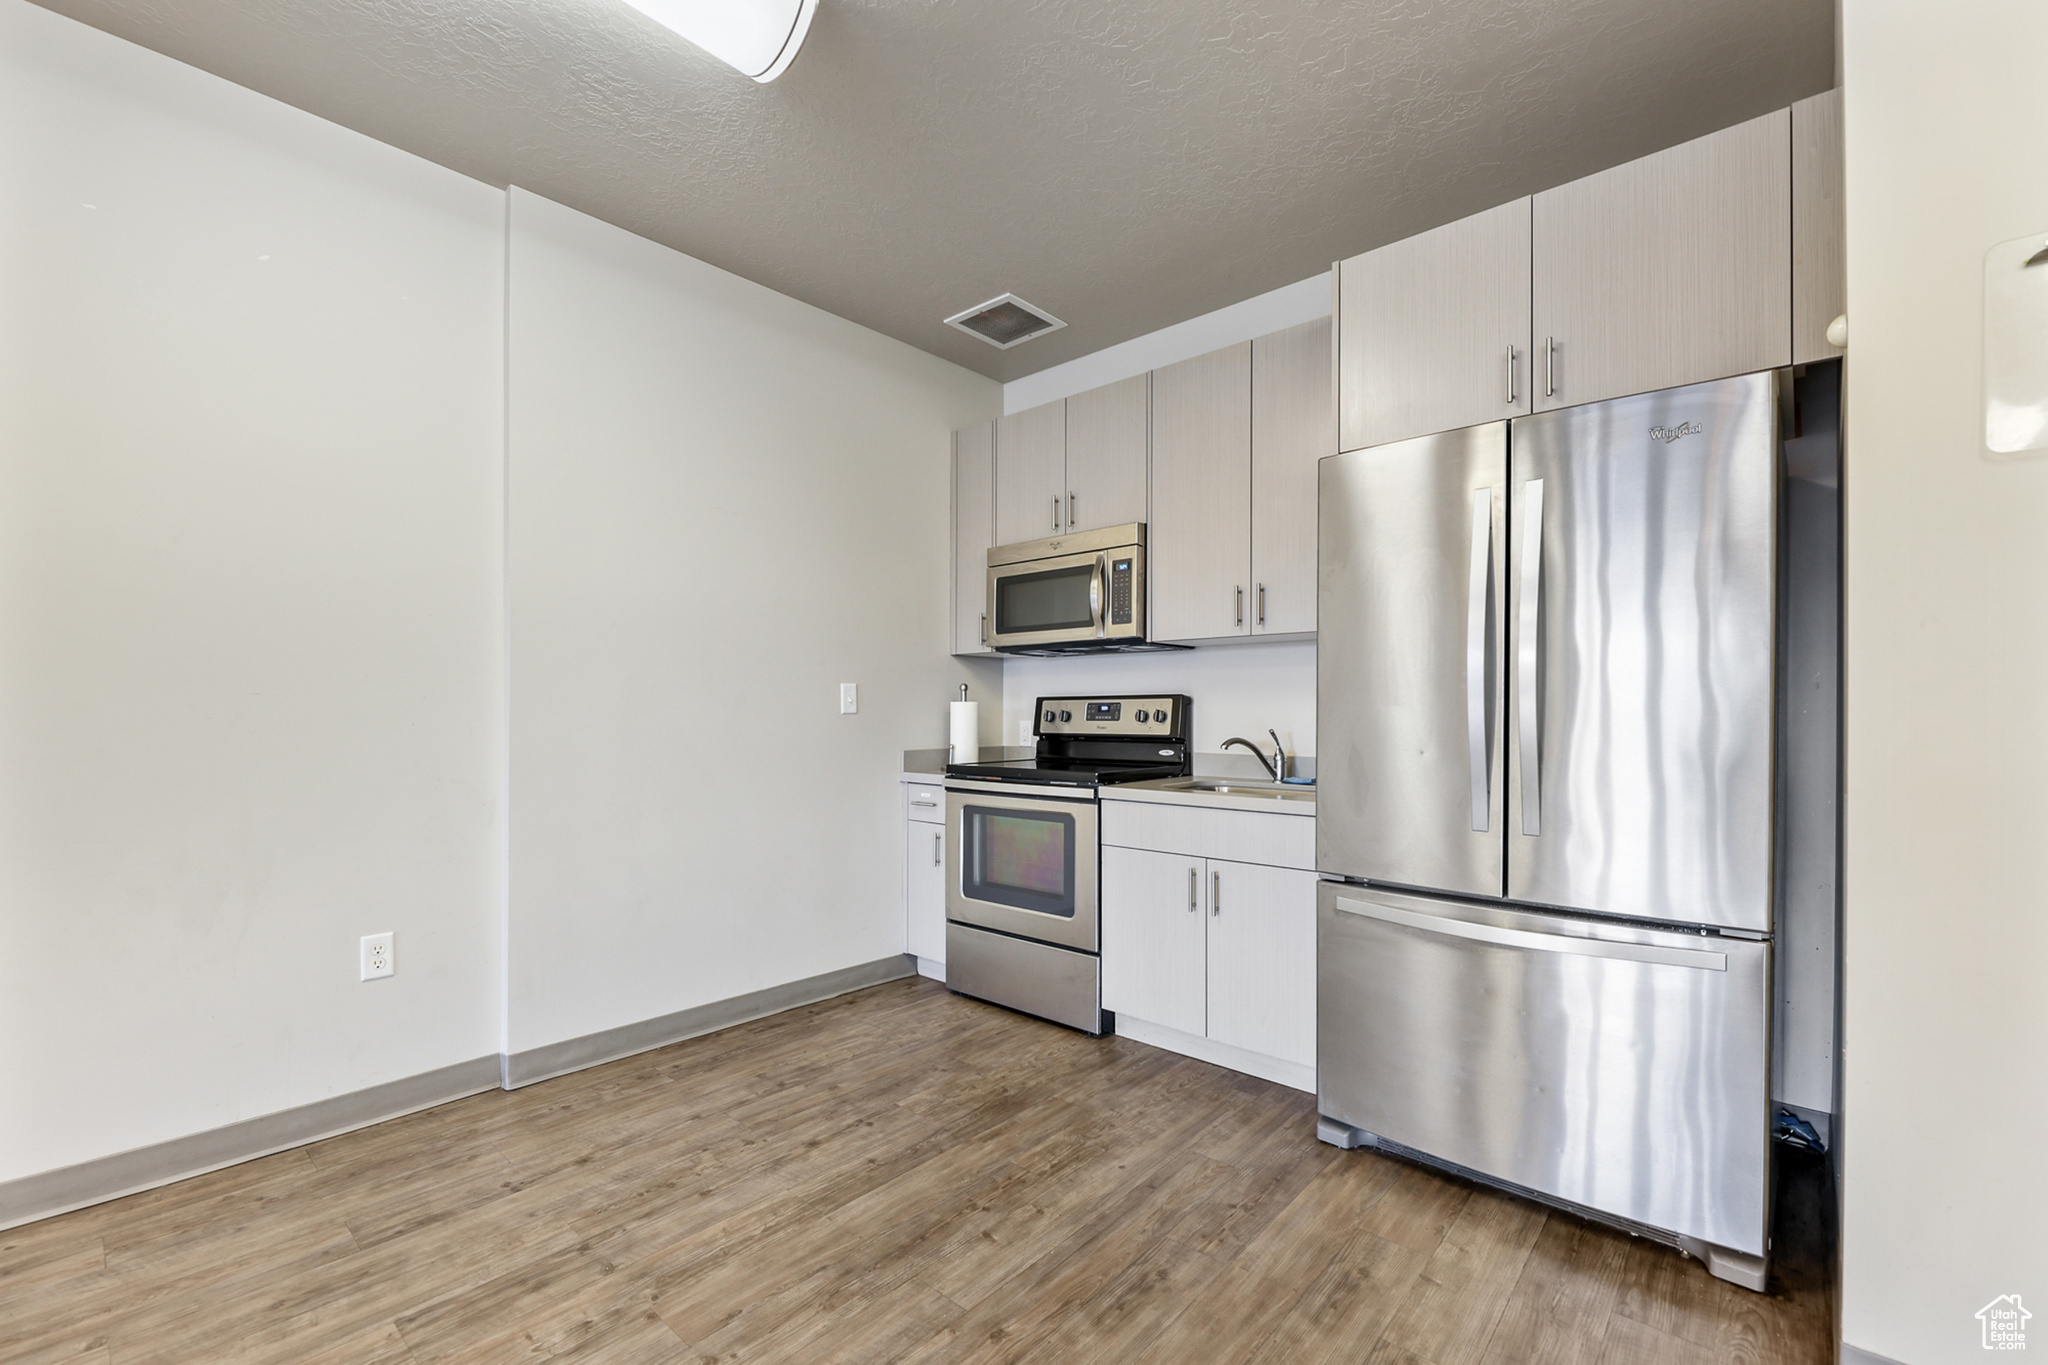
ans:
x=1022 y=863
x=1067 y=599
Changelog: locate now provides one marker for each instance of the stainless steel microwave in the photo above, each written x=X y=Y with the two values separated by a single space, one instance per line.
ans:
x=1077 y=593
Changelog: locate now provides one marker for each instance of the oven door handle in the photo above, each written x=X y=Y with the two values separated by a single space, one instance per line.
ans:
x=1098 y=582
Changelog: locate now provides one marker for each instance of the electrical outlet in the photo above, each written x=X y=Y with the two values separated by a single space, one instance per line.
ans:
x=379 y=958
x=849 y=698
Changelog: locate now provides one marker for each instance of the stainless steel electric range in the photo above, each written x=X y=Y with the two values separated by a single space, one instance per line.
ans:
x=1024 y=852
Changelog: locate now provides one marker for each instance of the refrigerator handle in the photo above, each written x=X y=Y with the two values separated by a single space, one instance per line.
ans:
x=1528 y=656
x=1696 y=958
x=1476 y=682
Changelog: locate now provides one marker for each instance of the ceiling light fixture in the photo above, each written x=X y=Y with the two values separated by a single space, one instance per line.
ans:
x=1005 y=321
x=756 y=37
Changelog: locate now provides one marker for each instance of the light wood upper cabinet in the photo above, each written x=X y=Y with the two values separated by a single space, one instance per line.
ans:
x=1668 y=270
x=1820 y=283
x=974 y=474
x=1262 y=959
x=1436 y=330
x=1106 y=454
x=1199 y=552
x=1293 y=427
x=1031 y=473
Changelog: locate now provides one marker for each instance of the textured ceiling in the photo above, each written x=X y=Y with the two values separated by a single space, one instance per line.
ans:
x=1123 y=165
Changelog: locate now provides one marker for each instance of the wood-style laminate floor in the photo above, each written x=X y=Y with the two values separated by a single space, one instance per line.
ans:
x=894 y=1175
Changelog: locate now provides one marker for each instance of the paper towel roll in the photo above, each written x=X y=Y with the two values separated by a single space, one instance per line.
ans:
x=966 y=731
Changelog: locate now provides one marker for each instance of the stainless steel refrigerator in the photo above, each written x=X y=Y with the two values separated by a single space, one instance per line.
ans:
x=1547 y=806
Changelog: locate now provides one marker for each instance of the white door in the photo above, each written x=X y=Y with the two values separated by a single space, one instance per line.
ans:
x=1262 y=959
x=1153 y=940
x=924 y=889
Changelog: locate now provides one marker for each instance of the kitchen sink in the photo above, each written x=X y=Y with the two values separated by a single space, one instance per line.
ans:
x=1230 y=786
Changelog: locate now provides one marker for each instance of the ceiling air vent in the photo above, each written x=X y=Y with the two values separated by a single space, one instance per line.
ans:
x=1004 y=321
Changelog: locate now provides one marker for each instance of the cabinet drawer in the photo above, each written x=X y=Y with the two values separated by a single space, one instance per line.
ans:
x=922 y=801
x=1191 y=831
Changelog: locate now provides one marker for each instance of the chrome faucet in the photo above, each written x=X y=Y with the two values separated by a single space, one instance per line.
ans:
x=1272 y=765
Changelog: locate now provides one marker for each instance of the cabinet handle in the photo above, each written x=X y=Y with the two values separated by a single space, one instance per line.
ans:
x=1070 y=511
x=1194 y=887
x=1055 y=511
x=1511 y=376
x=1550 y=367
x=1262 y=604
x=1215 y=894
x=937 y=839
x=1239 y=590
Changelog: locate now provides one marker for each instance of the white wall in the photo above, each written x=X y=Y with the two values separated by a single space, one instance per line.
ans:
x=250 y=434
x=1239 y=689
x=724 y=503
x=1273 y=311
x=1946 y=1038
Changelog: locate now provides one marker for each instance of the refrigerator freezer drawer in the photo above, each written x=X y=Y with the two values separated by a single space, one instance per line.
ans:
x=1618 y=1068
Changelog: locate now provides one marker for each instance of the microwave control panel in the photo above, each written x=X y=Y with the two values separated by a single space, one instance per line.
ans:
x=1120 y=592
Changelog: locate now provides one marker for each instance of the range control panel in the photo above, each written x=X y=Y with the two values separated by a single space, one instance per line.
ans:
x=1134 y=717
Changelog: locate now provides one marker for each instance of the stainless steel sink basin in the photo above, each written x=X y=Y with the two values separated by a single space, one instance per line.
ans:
x=1224 y=786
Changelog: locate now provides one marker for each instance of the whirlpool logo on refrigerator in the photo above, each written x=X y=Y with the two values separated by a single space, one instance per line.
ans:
x=1669 y=434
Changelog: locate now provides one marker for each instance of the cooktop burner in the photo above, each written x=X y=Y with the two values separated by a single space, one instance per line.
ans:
x=1097 y=741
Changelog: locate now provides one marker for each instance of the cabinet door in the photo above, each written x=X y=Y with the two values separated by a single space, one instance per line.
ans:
x=1293 y=427
x=1154 y=947
x=974 y=475
x=1666 y=271
x=924 y=889
x=1031 y=473
x=1106 y=449
x=1820 y=283
x=1199 y=556
x=1262 y=959
x=1435 y=330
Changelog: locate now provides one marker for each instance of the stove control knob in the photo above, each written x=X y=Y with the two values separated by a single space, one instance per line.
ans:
x=1144 y=716
x=1048 y=715
x=1066 y=715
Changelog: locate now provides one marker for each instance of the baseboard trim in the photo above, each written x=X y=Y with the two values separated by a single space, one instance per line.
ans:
x=1292 y=1074
x=1856 y=1355
x=931 y=968
x=592 y=1049
x=34 y=1197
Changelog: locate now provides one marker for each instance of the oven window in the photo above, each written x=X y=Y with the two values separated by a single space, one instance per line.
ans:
x=1023 y=858
x=1051 y=599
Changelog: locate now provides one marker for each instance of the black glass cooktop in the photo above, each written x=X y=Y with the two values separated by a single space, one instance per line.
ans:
x=1062 y=772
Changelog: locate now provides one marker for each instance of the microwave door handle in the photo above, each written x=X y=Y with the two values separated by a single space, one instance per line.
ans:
x=1098 y=581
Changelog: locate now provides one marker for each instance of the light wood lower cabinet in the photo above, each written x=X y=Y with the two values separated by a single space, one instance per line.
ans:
x=1154 y=940
x=924 y=877
x=1212 y=948
x=1262 y=959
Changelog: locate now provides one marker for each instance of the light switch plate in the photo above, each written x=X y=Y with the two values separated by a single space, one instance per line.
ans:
x=849 y=698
